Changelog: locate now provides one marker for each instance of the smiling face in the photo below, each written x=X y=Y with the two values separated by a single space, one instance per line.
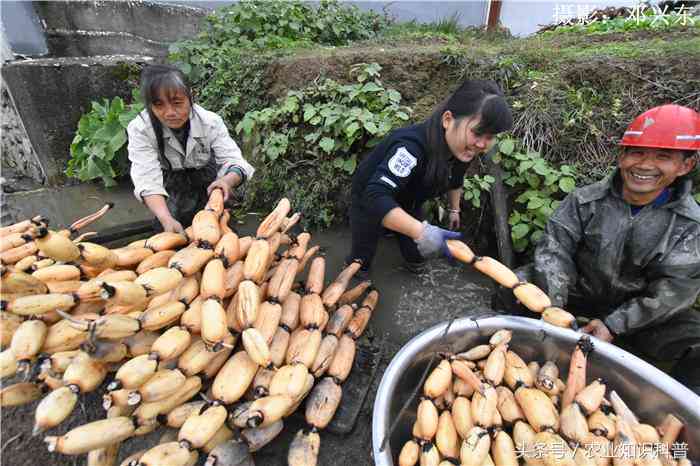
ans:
x=463 y=141
x=172 y=108
x=647 y=171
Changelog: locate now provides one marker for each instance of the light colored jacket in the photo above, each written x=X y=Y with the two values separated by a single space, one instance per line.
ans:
x=208 y=137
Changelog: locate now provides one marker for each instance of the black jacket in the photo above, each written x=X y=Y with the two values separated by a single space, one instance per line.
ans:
x=646 y=268
x=392 y=174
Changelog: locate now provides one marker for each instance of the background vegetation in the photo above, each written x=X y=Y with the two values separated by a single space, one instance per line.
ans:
x=309 y=90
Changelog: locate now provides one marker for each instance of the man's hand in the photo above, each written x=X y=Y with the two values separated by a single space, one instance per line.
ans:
x=454 y=220
x=172 y=225
x=597 y=328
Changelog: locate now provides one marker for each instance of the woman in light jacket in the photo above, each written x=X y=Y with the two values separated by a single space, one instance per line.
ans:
x=179 y=151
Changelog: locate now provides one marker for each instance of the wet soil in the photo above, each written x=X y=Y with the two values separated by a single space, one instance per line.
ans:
x=408 y=305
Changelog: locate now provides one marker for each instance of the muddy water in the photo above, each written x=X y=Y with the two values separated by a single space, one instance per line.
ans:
x=409 y=303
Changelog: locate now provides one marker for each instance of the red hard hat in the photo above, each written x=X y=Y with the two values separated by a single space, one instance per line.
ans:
x=665 y=127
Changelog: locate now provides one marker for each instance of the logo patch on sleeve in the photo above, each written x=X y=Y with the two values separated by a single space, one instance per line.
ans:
x=402 y=162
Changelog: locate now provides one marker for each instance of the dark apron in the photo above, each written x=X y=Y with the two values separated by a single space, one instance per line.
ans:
x=187 y=190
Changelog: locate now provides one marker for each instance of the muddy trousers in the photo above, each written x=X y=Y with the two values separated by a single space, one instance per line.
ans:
x=366 y=231
x=677 y=340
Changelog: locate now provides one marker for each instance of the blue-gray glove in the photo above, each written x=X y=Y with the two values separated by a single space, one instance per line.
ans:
x=432 y=241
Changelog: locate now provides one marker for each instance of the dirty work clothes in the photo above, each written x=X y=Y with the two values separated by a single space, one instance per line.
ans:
x=677 y=340
x=392 y=176
x=639 y=274
x=208 y=140
x=366 y=231
x=644 y=269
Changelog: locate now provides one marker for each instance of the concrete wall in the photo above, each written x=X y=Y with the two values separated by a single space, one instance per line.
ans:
x=82 y=28
x=21 y=169
x=94 y=46
x=52 y=94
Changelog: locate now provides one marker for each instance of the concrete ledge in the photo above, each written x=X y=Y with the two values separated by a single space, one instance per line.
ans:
x=150 y=20
x=53 y=93
x=68 y=43
x=62 y=206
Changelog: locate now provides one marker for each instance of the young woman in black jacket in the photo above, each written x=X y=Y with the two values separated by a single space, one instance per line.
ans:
x=420 y=162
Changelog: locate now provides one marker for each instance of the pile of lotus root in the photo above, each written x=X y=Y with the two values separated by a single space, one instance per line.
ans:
x=206 y=332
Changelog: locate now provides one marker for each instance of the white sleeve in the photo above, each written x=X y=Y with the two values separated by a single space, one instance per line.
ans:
x=227 y=154
x=146 y=173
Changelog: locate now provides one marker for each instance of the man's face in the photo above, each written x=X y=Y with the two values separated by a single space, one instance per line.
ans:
x=647 y=171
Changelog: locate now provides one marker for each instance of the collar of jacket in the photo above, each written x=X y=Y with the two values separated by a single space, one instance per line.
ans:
x=681 y=203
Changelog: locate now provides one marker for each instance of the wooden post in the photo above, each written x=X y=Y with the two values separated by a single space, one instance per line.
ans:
x=499 y=208
x=494 y=15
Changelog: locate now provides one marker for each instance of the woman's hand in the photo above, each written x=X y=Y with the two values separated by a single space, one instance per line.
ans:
x=172 y=225
x=226 y=183
x=432 y=241
x=454 y=220
x=221 y=184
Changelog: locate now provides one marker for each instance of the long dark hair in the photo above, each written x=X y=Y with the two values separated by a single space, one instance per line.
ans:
x=158 y=79
x=472 y=98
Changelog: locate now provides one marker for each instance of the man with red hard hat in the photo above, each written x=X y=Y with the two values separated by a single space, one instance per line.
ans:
x=625 y=251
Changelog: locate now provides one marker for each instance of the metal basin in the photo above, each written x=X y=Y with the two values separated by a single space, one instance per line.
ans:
x=649 y=392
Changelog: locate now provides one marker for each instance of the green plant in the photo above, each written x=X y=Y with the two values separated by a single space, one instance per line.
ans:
x=285 y=23
x=538 y=187
x=310 y=141
x=474 y=185
x=98 y=149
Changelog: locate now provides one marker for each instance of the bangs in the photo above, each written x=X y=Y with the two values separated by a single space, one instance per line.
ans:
x=168 y=87
x=160 y=82
x=496 y=116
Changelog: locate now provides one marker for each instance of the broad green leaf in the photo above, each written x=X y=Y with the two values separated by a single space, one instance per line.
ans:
x=525 y=166
x=506 y=146
x=532 y=180
x=524 y=197
x=541 y=167
x=371 y=87
x=312 y=137
x=520 y=245
x=126 y=118
x=117 y=141
x=371 y=127
x=246 y=125
x=489 y=179
x=536 y=236
x=93 y=171
x=567 y=184
x=327 y=144
x=338 y=162
x=536 y=203
x=519 y=231
x=350 y=165
x=352 y=128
